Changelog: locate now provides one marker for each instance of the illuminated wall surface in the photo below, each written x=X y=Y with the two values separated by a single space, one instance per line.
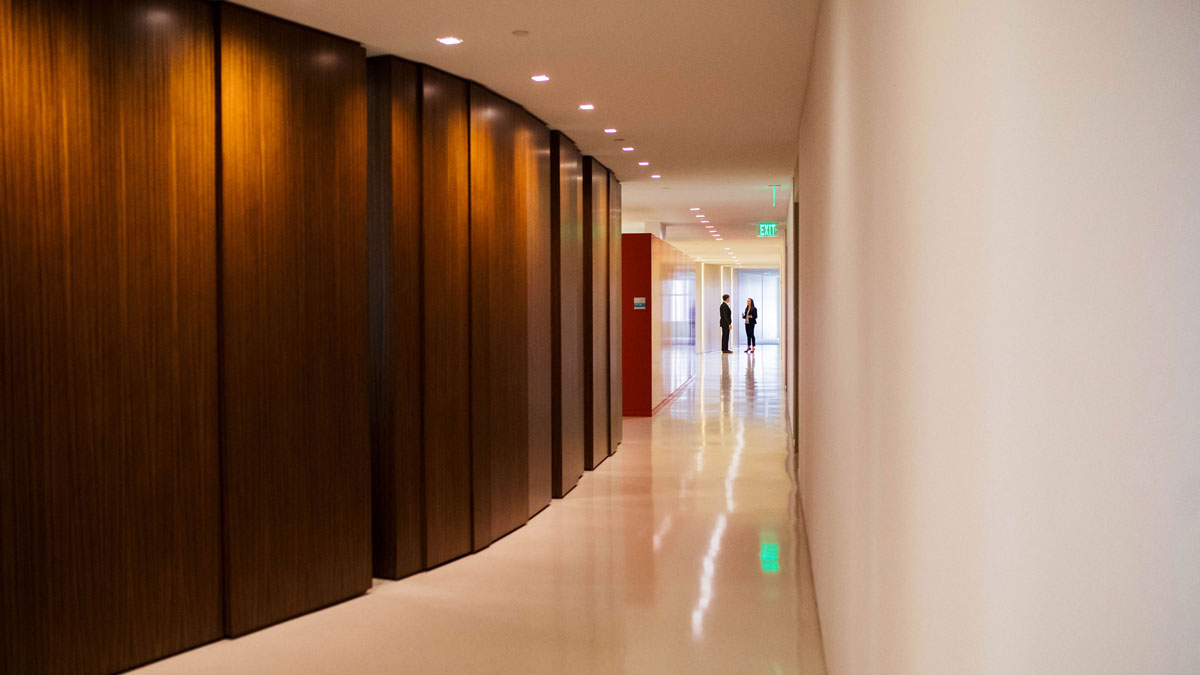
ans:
x=659 y=339
x=999 y=237
x=674 y=294
x=218 y=412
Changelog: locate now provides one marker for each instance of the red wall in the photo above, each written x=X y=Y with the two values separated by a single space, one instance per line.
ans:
x=660 y=340
x=636 y=367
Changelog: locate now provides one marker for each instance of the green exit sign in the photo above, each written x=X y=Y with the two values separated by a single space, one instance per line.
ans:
x=767 y=229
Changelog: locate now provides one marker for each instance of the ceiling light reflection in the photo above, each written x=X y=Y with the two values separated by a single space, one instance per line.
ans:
x=663 y=529
x=709 y=568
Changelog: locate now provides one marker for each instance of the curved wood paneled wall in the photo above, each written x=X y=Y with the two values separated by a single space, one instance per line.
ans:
x=394 y=243
x=109 y=466
x=595 y=295
x=567 y=267
x=536 y=160
x=294 y=413
x=263 y=305
x=445 y=314
x=615 y=404
x=499 y=304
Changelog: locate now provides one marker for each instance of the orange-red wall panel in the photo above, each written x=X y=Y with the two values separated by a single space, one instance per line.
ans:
x=658 y=341
x=636 y=324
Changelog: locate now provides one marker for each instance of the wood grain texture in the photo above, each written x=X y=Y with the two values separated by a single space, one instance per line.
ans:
x=499 y=325
x=445 y=315
x=567 y=268
x=296 y=440
x=394 y=243
x=616 y=405
x=109 y=478
x=595 y=300
x=533 y=158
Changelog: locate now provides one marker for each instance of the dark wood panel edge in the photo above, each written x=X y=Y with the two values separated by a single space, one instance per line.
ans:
x=352 y=596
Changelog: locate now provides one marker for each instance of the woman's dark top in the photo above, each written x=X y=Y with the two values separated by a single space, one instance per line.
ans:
x=751 y=314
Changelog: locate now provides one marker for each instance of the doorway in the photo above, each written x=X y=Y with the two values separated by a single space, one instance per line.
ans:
x=763 y=286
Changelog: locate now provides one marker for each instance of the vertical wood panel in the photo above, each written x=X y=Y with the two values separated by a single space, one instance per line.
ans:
x=616 y=405
x=499 y=325
x=567 y=320
x=294 y=310
x=109 y=479
x=394 y=238
x=595 y=334
x=534 y=159
x=445 y=315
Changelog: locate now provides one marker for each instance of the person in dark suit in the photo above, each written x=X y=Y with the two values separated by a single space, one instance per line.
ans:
x=726 y=324
x=751 y=317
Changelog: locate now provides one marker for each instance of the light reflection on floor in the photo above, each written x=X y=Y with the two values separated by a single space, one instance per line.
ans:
x=683 y=553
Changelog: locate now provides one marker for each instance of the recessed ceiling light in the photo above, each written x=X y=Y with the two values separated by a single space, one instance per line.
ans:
x=450 y=40
x=540 y=78
x=701 y=215
x=628 y=148
x=643 y=163
x=655 y=175
x=694 y=208
x=610 y=131
x=704 y=221
x=587 y=106
x=726 y=248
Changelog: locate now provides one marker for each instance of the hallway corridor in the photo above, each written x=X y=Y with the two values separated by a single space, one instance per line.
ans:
x=683 y=553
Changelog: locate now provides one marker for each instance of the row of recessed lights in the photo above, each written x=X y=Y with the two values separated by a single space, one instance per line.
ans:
x=450 y=41
x=626 y=148
x=713 y=231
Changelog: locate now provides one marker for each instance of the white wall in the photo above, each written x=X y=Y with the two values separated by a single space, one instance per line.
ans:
x=708 y=307
x=653 y=227
x=1000 y=335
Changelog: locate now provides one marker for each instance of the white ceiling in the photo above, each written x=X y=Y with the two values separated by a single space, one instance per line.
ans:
x=708 y=91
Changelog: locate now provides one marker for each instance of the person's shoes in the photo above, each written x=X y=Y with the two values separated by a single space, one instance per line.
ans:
x=745 y=350
x=726 y=351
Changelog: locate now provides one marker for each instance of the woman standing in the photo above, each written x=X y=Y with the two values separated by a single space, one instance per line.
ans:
x=751 y=317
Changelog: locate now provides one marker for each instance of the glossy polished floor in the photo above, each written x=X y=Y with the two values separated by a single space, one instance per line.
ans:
x=683 y=553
